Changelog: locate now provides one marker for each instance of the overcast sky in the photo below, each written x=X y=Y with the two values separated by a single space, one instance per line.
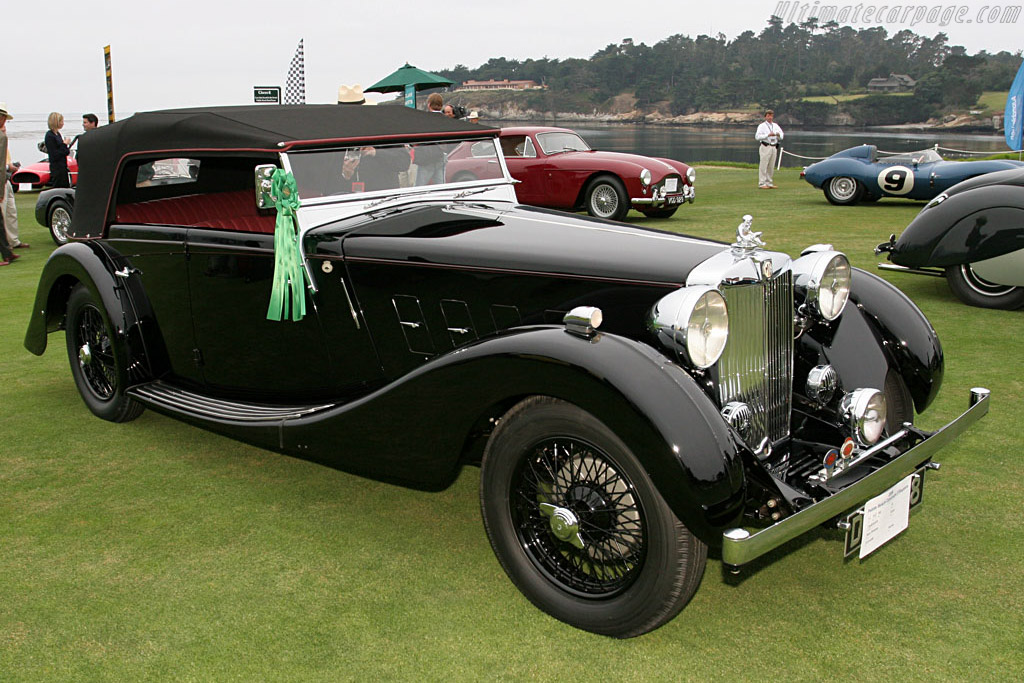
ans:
x=193 y=52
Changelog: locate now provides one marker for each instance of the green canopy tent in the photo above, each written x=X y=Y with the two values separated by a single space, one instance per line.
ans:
x=410 y=80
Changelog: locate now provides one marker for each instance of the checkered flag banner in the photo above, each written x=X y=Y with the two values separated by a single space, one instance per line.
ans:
x=295 y=86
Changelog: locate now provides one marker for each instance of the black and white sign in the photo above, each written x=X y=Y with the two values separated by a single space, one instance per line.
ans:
x=266 y=94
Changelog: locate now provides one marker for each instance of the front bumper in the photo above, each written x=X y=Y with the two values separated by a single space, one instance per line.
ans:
x=688 y=195
x=740 y=546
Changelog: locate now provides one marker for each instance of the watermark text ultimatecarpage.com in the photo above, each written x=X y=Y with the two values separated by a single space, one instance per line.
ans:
x=902 y=15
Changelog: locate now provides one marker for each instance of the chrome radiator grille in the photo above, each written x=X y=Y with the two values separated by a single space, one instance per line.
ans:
x=757 y=366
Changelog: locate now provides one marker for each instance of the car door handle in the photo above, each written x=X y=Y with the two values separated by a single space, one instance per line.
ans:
x=409 y=324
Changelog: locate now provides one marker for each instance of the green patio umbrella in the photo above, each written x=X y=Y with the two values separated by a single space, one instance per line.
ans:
x=410 y=80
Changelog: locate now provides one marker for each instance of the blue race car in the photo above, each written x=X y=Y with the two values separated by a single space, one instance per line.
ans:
x=858 y=174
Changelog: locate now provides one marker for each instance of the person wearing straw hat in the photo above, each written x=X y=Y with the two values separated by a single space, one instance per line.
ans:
x=10 y=209
x=370 y=168
x=6 y=255
x=352 y=95
x=768 y=135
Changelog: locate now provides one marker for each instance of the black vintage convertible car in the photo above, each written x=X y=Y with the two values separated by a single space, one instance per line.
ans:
x=632 y=396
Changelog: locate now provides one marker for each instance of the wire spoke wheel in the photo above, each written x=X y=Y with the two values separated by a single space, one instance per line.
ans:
x=95 y=354
x=606 y=198
x=60 y=223
x=578 y=525
x=97 y=362
x=605 y=201
x=578 y=518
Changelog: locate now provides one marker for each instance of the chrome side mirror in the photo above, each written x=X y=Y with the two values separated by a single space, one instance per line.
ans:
x=264 y=173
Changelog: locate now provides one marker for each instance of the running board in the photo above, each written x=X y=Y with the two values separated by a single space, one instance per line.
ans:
x=934 y=272
x=162 y=396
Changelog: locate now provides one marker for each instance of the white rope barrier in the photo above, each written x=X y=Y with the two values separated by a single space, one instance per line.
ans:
x=802 y=157
x=879 y=151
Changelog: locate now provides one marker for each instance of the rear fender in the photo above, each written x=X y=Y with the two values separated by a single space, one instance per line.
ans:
x=92 y=265
x=655 y=407
x=971 y=226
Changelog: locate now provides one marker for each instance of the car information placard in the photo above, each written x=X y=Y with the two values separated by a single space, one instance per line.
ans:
x=885 y=516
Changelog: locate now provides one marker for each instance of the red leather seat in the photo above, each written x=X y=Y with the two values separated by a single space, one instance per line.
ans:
x=221 y=211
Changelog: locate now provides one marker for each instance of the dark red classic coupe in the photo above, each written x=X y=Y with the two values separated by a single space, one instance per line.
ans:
x=557 y=169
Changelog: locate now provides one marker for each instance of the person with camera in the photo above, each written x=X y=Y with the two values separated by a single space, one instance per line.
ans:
x=769 y=135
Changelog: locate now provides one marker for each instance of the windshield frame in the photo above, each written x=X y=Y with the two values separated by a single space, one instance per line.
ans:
x=503 y=177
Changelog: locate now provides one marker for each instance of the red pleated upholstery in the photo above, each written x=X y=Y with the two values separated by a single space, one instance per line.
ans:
x=221 y=211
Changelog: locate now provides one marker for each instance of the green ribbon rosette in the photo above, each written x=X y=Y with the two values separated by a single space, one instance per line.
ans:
x=288 y=296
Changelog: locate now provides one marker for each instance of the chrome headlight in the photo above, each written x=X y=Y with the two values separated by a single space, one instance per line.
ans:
x=645 y=177
x=864 y=411
x=694 y=322
x=691 y=175
x=823 y=279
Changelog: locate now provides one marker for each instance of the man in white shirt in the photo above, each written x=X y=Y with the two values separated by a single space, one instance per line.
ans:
x=769 y=135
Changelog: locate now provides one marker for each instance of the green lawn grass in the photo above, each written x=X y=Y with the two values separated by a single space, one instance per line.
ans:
x=849 y=97
x=993 y=100
x=155 y=550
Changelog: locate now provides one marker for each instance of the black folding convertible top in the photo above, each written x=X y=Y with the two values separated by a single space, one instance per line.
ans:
x=253 y=130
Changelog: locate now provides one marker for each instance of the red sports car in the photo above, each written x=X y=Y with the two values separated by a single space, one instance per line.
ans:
x=38 y=174
x=558 y=169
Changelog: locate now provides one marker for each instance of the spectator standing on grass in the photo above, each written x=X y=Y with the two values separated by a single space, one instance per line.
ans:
x=10 y=209
x=769 y=135
x=6 y=255
x=89 y=122
x=57 y=150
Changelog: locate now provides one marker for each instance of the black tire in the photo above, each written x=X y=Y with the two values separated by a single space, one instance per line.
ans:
x=606 y=198
x=975 y=290
x=665 y=212
x=843 y=190
x=899 y=404
x=98 y=361
x=58 y=220
x=578 y=525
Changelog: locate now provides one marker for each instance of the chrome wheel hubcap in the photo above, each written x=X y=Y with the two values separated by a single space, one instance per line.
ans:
x=564 y=524
x=843 y=188
x=981 y=285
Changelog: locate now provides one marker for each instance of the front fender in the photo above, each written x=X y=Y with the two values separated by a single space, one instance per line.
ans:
x=979 y=224
x=657 y=409
x=68 y=265
x=880 y=329
x=46 y=199
x=817 y=174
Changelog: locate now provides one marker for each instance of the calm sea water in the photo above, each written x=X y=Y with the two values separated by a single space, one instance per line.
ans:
x=690 y=144
x=696 y=144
